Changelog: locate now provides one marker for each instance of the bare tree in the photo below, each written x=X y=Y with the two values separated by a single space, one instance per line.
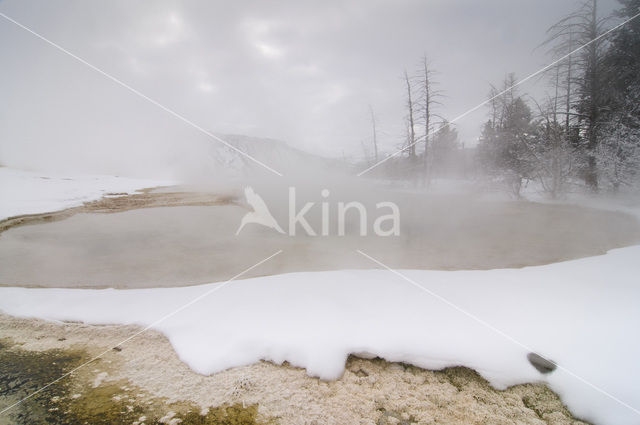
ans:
x=567 y=122
x=411 y=141
x=428 y=102
x=583 y=77
x=374 y=134
x=494 y=103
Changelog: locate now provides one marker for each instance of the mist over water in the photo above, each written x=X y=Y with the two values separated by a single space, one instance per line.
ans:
x=172 y=246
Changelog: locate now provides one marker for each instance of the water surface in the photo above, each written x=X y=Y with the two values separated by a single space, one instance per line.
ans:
x=171 y=246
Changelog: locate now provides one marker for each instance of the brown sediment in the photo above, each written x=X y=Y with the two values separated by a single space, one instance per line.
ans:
x=119 y=202
x=145 y=379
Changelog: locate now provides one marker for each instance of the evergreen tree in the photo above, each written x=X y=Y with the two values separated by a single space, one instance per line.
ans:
x=586 y=77
x=443 y=147
x=619 y=155
x=506 y=142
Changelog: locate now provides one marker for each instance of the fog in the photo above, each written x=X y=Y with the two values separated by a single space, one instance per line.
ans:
x=176 y=246
x=218 y=96
x=301 y=72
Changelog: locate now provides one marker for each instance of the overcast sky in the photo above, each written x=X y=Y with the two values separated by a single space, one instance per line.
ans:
x=301 y=71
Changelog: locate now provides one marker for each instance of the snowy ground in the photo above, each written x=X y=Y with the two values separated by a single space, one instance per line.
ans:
x=26 y=192
x=582 y=314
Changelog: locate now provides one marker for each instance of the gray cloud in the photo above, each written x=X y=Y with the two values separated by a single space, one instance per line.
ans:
x=300 y=71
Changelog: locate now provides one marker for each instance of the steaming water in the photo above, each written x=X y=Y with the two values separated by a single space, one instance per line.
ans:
x=172 y=246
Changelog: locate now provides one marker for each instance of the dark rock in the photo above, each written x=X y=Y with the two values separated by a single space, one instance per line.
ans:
x=541 y=364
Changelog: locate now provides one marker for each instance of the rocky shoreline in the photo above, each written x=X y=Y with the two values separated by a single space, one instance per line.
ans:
x=144 y=382
x=120 y=202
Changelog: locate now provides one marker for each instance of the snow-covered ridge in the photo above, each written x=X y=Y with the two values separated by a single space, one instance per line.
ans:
x=27 y=192
x=582 y=314
x=240 y=159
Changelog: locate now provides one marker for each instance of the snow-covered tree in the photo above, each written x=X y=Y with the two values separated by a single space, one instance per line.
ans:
x=585 y=80
x=505 y=147
x=553 y=154
x=619 y=153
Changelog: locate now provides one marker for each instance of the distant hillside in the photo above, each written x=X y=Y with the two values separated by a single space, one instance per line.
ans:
x=274 y=153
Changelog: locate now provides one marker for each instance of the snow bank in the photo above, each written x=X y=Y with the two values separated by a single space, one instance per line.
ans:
x=584 y=314
x=26 y=192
